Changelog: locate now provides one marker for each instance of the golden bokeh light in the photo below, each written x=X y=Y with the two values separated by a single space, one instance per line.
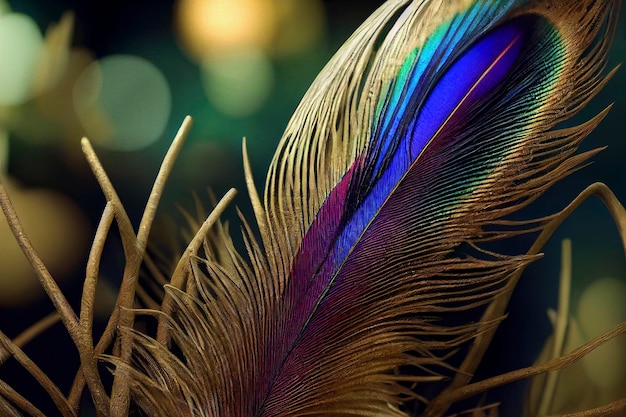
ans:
x=234 y=42
x=212 y=26
x=601 y=307
x=59 y=232
x=208 y=27
x=300 y=24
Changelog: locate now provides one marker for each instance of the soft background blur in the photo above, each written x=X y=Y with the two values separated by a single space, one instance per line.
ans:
x=126 y=73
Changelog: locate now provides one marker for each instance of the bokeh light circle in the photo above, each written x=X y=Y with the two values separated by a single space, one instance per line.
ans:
x=300 y=24
x=59 y=232
x=238 y=82
x=21 y=47
x=205 y=26
x=4 y=7
x=123 y=102
x=601 y=306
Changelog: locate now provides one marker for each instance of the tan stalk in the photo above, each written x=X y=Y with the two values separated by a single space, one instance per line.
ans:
x=560 y=327
x=68 y=316
x=88 y=360
x=610 y=409
x=51 y=389
x=134 y=250
x=9 y=393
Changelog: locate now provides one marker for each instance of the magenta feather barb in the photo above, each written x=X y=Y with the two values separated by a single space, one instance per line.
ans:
x=365 y=286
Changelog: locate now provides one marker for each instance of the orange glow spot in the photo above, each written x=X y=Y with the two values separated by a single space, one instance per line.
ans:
x=57 y=229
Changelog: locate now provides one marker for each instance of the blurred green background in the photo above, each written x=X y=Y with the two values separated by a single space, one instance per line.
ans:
x=125 y=74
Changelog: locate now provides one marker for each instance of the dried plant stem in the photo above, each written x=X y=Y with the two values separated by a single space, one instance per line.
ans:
x=103 y=343
x=53 y=391
x=65 y=311
x=128 y=238
x=88 y=359
x=606 y=410
x=562 y=320
x=119 y=397
x=16 y=399
x=159 y=183
x=134 y=250
x=45 y=278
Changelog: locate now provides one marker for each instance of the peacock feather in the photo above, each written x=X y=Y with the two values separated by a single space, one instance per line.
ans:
x=369 y=284
x=432 y=123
